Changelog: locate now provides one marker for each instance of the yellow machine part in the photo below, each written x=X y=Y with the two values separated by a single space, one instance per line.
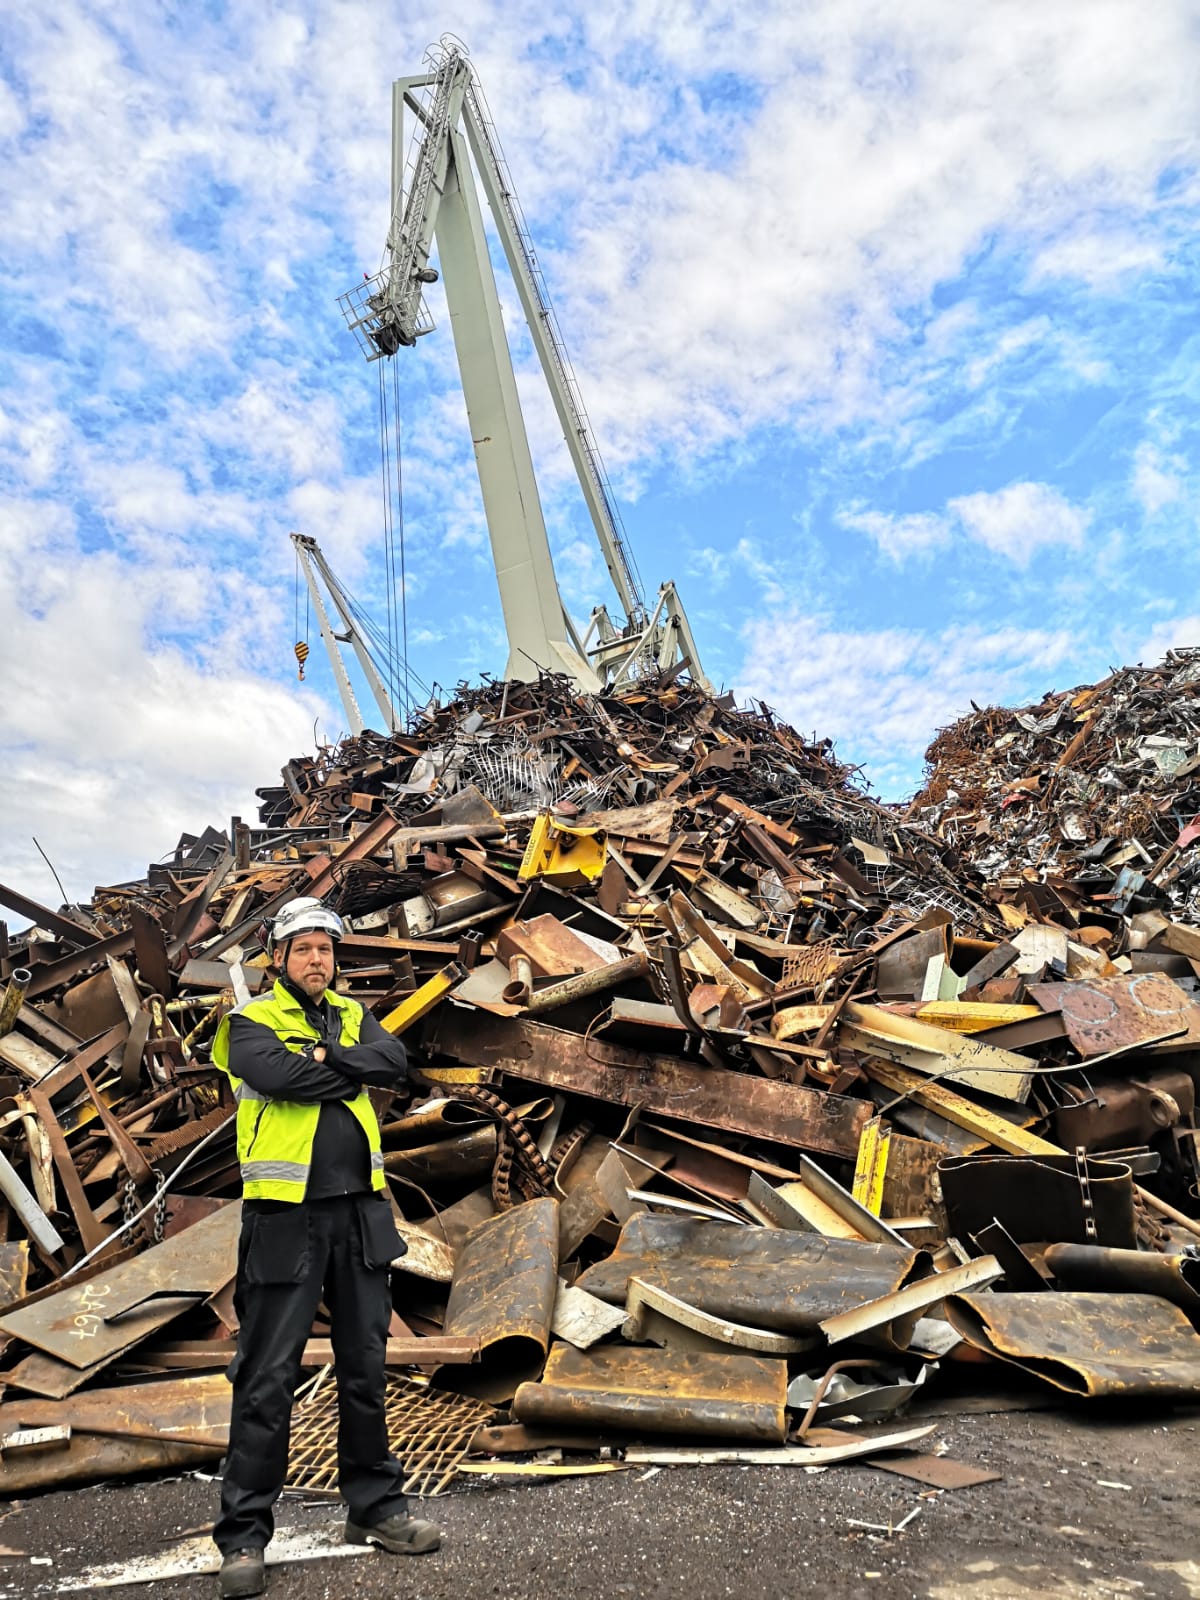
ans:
x=556 y=850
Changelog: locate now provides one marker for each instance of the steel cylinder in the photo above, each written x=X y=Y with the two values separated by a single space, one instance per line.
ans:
x=518 y=990
x=14 y=998
x=561 y=994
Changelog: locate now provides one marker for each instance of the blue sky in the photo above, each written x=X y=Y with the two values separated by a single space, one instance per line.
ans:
x=885 y=317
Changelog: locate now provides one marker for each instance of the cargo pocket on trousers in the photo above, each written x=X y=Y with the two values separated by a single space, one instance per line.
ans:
x=381 y=1243
x=278 y=1249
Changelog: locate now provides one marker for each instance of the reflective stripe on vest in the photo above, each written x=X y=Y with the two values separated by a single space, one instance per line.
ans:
x=275 y=1137
x=274 y=1171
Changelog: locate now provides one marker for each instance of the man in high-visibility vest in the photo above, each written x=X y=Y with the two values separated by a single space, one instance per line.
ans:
x=316 y=1226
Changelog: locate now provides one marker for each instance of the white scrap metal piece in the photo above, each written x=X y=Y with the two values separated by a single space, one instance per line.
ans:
x=911 y=1300
x=934 y=1337
x=879 y=1397
x=582 y=1319
x=198 y=1556
x=771 y=1455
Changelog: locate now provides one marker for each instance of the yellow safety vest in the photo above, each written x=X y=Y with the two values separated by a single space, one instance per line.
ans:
x=275 y=1137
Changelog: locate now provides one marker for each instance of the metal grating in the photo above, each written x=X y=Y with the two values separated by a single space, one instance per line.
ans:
x=430 y=1431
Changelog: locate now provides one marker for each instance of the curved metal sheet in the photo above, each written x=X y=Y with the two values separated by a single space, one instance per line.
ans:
x=503 y=1293
x=634 y=1391
x=1096 y=1345
x=788 y=1282
x=1089 y=1266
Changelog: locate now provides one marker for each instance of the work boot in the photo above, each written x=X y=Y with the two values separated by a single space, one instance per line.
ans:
x=243 y=1572
x=401 y=1536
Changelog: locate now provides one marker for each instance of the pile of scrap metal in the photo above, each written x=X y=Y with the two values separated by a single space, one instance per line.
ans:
x=727 y=1080
x=1090 y=799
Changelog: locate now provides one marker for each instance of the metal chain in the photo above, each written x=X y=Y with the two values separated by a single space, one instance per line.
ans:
x=502 y=1171
x=159 y=1214
x=525 y=1149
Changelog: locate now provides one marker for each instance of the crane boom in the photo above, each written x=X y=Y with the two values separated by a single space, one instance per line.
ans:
x=434 y=199
x=548 y=341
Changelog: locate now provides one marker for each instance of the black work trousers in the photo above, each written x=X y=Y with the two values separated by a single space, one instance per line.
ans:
x=288 y=1261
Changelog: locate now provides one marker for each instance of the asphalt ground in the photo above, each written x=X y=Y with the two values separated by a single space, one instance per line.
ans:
x=1089 y=1504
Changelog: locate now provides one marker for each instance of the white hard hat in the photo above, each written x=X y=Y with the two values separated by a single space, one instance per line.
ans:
x=303 y=915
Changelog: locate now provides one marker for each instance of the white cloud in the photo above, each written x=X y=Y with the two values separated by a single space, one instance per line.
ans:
x=766 y=303
x=1157 y=479
x=1168 y=635
x=881 y=695
x=1100 y=260
x=1013 y=522
x=113 y=745
x=915 y=533
x=1013 y=342
x=1020 y=520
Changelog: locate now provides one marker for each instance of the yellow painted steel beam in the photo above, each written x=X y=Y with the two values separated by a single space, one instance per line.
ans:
x=422 y=1000
x=987 y=1125
x=871 y=1166
x=456 y=1074
x=964 y=1113
x=974 y=1063
x=974 y=1016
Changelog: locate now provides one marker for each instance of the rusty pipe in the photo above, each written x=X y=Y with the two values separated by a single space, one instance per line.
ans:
x=1188 y=1224
x=518 y=990
x=14 y=998
x=586 y=983
x=1086 y=1266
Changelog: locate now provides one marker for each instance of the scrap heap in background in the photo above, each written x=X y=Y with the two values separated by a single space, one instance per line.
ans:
x=1094 y=793
x=729 y=1074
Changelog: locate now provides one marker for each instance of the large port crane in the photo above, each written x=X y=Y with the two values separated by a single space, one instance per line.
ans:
x=435 y=199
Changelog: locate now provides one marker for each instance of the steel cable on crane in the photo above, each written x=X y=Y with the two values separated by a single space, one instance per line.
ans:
x=300 y=648
x=376 y=643
x=389 y=560
x=395 y=575
x=400 y=509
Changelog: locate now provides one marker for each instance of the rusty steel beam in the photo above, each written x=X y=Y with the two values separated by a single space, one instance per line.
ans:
x=761 y=1108
x=85 y=1057
x=372 y=838
x=56 y=973
x=42 y=917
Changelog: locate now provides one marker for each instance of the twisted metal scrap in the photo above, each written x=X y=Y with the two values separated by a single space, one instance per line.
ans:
x=514 y=1144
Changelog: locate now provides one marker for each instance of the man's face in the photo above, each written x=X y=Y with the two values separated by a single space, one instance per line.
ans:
x=310 y=963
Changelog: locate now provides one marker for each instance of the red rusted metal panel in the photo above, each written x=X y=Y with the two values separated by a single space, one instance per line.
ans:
x=1116 y=1013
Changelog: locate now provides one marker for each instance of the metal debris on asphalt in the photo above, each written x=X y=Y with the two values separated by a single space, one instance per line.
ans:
x=725 y=1074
